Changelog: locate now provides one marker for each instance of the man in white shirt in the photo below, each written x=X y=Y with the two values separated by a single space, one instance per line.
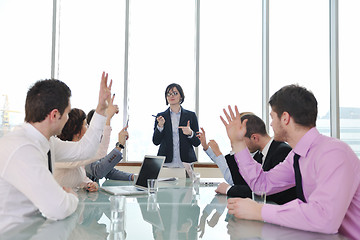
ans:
x=26 y=154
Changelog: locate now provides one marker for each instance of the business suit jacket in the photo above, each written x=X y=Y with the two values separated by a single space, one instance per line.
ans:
x=105 y=167
x=276 y=154
x=165 y=137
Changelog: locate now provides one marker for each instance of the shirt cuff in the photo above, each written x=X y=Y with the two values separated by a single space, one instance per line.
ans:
x=192 y=134
x=228 y=188
x=98 y=121
x=160 y=128
x=243 y=154
x=211 y=154
x=117 y=150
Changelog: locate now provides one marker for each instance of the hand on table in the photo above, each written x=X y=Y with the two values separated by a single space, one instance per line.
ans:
x=222 y=188
x=245 y=208
x=92 y=186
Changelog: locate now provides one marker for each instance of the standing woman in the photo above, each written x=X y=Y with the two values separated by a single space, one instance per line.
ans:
x=175 y=130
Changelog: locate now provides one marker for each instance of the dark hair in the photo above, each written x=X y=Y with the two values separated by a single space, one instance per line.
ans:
x=89 y=116
x=300 y=103
x=254 y=125
x=74 y=124
x=45 y=96
x=179 y=88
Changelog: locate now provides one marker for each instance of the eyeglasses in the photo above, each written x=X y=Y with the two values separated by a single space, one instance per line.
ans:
x=169 y=94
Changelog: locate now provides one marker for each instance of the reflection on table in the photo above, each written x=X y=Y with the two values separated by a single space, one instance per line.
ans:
x=173 y=213
x=171 y=221
x=243 y=229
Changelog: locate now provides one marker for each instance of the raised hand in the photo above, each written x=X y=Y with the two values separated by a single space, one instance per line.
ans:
x=215 y=147
x=186 y=129
x=202 y=137
x=123 y=136
x=235 y=129
x=111 y=109
x=104 y=94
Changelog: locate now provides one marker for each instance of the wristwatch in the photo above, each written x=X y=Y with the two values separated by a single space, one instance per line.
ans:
x=119 y=145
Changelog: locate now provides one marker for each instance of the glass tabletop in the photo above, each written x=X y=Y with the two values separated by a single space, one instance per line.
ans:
x=179 y=210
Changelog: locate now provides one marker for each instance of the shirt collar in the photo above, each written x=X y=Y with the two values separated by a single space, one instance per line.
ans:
x=171 y=112
x=266 y=148
x=303 y=146
x=36 y=136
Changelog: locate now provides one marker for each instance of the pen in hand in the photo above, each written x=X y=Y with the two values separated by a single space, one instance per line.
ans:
x=154 y=116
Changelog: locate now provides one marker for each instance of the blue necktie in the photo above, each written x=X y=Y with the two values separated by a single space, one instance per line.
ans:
x=298 y=181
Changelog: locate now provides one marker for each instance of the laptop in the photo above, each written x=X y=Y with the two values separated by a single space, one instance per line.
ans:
x=150 y=169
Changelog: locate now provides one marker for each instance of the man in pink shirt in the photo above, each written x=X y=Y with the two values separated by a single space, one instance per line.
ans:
x=325 y=170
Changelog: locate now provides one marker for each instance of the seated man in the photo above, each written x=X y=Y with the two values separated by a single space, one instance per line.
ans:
x=268 y=153
x=324 y=170
x=27 y=153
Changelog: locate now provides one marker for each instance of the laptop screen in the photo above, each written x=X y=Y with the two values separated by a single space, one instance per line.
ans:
x=150 y=169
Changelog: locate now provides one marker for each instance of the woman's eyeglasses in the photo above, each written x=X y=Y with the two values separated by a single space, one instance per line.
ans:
x=169 y=94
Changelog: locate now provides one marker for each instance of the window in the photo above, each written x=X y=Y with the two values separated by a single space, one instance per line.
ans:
x=25 y=47
x=161 y=52
x=230 y=64
x=349 y=52
x=91 y=39
x=89 y=45
x=299 y=51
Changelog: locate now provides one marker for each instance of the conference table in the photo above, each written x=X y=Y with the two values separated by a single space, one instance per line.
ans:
x=179 y=210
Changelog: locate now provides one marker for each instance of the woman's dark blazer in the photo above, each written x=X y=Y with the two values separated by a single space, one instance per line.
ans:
x=165 y=138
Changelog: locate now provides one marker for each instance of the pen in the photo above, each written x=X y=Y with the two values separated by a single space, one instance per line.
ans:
x=154 y=116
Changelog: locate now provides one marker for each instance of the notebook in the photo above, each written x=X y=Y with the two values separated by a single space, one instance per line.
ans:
x=150 y=169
